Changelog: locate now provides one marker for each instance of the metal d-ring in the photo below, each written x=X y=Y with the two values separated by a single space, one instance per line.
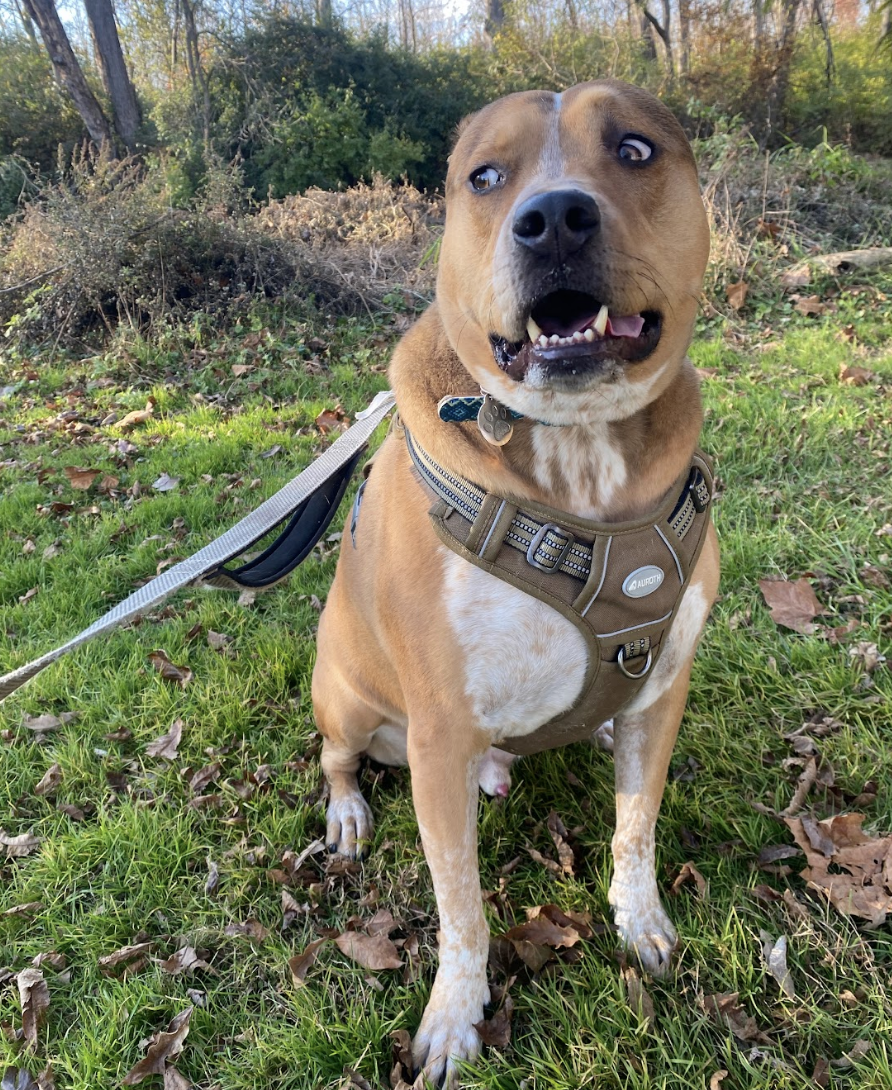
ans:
x=620 y=662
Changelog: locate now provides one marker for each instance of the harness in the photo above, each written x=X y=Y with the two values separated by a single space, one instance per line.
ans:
x=620 y=584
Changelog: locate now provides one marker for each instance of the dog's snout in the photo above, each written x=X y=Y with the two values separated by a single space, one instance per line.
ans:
x=557 y=223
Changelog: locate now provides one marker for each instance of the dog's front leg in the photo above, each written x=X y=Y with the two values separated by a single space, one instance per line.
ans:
x=444 y=766
x=644 y=737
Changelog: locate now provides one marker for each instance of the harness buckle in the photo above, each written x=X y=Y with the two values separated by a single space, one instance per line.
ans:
x=539 y=541
x=699 y=490
x=621 y=663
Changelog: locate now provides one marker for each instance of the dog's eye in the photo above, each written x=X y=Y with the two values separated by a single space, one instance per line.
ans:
x=635 y=149
x=485 y=178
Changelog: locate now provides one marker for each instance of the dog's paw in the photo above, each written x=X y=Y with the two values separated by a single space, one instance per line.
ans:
x=350 y=826
x=602 y=738
x=649 y=934
x=445 y=1038
x=495 y=772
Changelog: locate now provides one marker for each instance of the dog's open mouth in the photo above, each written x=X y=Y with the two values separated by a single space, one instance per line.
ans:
x=571 y=333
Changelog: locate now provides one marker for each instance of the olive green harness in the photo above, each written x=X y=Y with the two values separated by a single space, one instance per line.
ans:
x=620 y=584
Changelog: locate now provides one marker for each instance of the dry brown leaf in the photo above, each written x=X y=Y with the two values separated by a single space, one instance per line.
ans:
x=810 y=305
x=165 y=483
x=35 y=1000
x=866 y=655
x=26 y=909
x=169 y=671
x=774 y=953
x=689 y=873
x=332 y=420
x=369 y=951
x=251 y=929
x=50 y=781
x=217 y=641
x=855 y=376
x=543 y=860
x=544 y=932
x=132 y=958
x=715 y=1080
x=199 y=780
x=639 y=999
x=496 y=1032
x=558 y=835
x=163 y=1046
x=17 y=1078
x=80 y=479
x=166 y=745
x=860 y=883
x=736 y=294
x=53 y=958
x=725 y=1010
x=185 y=960
x=382 y=923
x=793 y=604
x=139 y=416
x=795 y=278
x=173 y=1080
x=239 y=369
x=19 y=846
x=301 y=963
x=43 y=724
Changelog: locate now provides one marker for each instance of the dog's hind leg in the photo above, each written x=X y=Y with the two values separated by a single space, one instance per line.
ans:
x=347 y=724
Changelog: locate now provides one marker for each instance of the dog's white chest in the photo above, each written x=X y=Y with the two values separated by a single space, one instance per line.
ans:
x=524 y=662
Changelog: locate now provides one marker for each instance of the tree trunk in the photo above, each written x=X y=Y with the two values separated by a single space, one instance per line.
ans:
x=125 y=107
x=684 y=35
x=27 y=23
x=780 y=82
x=495 y=20
x=68 y=71
x=200 y=90
x=664 y=30
x=324 y=15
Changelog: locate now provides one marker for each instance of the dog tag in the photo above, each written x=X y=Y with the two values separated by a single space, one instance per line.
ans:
x=493 y=422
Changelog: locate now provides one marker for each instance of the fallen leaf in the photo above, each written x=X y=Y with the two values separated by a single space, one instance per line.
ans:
x=558 y=834
x=810 y=305
x=855 y=376
x=543 y=860
x=715 y=1080
x=71 y=811
x=795 y=278
x=43 y=724
x=239 y=369
x=290 y=910
x=774 y=954
x=213 y=879
x=80 y=478
x=639 y=999
x=21 y=845
x=857 y=1052
x=166 y=745
x=50 y=781
x=52 y=550
x=16 y=1078
x=332 y=420
x=821 y=1074
x=689 y=873
x=139 y=416
x=165 y=483
x=132 y=958
x=173 y=1080
x=496 y=1032
x=851 y=869
x=35 y=1000
x=382 y=923
x=185 y=960
x=26 y=909
x=725 y=1010
x=793 y=604
x=301 y=963
x=867 y=656
x=199 y=780
x=163 y=1046
x=736 y=294
x=169 y=671
x=369 y=951
x=251 y=929
x=53 y=958
x=217 y=641
x=29 y=594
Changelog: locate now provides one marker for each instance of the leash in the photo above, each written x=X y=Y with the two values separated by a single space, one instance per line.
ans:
x=311 y=500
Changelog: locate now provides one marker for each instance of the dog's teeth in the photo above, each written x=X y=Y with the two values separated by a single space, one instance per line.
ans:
x=600 y=323
x=554 y=339
x=533 y=331
x=543 y=340
x=578 y=338
x=589 y=335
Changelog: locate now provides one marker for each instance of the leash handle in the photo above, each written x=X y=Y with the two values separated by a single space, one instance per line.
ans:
x=343 y=451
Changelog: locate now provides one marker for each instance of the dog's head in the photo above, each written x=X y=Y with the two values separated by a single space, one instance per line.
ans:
x=574 y=250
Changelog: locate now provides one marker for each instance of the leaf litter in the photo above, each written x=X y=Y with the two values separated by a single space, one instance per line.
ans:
x=161 y=1047
x=793 y=604
x=34 y=997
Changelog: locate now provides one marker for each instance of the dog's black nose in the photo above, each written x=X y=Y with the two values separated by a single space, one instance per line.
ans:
x=557 y=223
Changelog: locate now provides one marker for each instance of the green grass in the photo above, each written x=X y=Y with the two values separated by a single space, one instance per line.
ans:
x=804 y=463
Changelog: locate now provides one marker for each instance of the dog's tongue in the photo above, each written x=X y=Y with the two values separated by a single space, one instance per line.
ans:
x=629 y=326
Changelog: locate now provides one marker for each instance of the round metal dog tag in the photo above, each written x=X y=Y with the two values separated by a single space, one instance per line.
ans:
x=643 y=581
x=493 y=422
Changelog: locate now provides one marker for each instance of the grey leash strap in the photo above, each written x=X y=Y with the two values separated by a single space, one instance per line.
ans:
x=229 y=545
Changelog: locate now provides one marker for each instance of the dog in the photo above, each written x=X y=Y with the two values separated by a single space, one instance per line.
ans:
x=569 y=277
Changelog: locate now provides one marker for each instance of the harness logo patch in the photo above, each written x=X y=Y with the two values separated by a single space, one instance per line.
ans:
x=643 y=581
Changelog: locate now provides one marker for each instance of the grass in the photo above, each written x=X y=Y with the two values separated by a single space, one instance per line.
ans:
x=804 y=462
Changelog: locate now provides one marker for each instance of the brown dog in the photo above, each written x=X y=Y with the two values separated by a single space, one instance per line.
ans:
x=435 y=645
